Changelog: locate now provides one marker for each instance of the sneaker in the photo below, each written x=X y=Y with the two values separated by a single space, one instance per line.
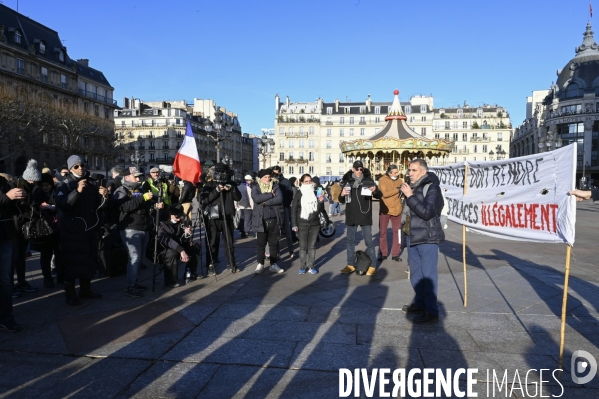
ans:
x=172 y=284
x=313 y=271
x=274 y=268
x=10 y=326
x=259 y=268
x=396 y=258
x=211 y=271
x=371 y=271
x=49 y=282
x=133 y=292
x=348 y=269
x=412 y=309
x=303 y=270
x=26 y=287
x=426 y=318
x=382 y=258
x=140 y=287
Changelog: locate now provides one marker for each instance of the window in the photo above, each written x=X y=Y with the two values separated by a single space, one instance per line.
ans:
x=573 y=91
x=20 y=66
x=485 y=148
x=329 y=110
x=281 y=156
x=301 y=155
x=474 y=136
x=44 y=74
x=377 y=119
x=301 y=170
x=311 y=130
x=455 y=124
x=329 y=132
x=424 y=119
x=438 y=136
x=301 y=143
x=329 y=144
x=291 y=132
x=446 y=136
x=411 y=119
x=351 y=120
x=152 y=157
x=281 y=143
x=165 y=144
x=310 y=156
x=341 y=158
x=60 y=56
x=347 y=110
x=499 y=136
x=363 y=119
x=301 y=131
x=464 y=125
x=63 y=81
x=455 y=137
x=423 y=108
x=291 y=143
x=362 y=109
x=311 y=170
x=423 y=131
x=342 y=132
x=362 y=132
x=460 y=113
x=329 y=171
x=475 y=148
x=341 y=170
x=341 y=120
x=42 y=48
x=351 y=132
x=281 y=130
x=311 y=143
x=290 y=170
x=407 y=109
x=447 y=125
x=377 y=110
x=18 y=37
x=479 y=112
x=464 y=136
x=328 y=156
x=290 y=154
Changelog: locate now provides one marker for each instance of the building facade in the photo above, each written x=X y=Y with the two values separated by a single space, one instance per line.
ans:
x=308 y=134
x=65 y=106
x=567 y=113
x=154 y=131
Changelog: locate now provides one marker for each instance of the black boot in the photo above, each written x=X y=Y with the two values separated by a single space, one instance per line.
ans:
x=71 y=294
x=85 y=289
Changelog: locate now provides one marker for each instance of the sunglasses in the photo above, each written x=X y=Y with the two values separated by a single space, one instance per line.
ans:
x=360 y=169
x=64 y=173
x=76 y=167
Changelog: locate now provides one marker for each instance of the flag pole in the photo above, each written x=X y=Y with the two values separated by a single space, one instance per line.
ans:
x=564 y=304
x=464 y=241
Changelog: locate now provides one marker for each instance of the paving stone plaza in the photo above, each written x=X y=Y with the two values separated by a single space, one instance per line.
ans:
x=287 y=335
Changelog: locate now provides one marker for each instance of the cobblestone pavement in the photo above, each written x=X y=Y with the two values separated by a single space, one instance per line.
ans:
x=287 y=335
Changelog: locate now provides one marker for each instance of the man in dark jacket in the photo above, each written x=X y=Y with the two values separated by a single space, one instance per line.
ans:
x=134 y=224
x=287 y=191
x=422 y=225
x=79 y=203
x=8 y=199
x=216 y=192
x=176 y=239
x=358 y=212
x=185 y=199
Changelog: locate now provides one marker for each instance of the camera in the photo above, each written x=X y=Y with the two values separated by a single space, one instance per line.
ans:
x=221 y=173
x=162 y=177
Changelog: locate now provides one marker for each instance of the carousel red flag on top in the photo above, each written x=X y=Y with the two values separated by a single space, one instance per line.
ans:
x=187 y=164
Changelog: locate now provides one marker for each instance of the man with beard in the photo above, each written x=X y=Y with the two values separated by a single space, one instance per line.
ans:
x=422 y=225
x=79 y=203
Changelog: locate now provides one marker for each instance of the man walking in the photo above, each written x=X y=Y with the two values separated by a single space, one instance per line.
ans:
x=422 y=225
x=390 y=211
x=357 y=194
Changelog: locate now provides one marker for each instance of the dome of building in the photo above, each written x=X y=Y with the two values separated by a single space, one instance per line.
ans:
x=582 y=72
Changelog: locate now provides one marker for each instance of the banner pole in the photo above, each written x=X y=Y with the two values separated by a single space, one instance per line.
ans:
x=564 y=304
x=464 y=242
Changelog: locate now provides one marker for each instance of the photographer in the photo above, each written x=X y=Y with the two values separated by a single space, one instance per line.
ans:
x=152 y=185
x=79 y=202
x=175 y=236
x=134 y=224
x=219 y=190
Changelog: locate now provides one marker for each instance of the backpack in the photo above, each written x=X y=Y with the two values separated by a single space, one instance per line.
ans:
x=363 y=262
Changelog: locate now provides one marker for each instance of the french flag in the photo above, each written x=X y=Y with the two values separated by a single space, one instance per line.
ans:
x=187 y=164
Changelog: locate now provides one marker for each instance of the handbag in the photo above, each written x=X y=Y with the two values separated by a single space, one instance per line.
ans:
x=213 y=211
x=36 y=228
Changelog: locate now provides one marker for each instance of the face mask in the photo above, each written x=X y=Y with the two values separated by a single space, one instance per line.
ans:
x=393 y=177
x=174 y=221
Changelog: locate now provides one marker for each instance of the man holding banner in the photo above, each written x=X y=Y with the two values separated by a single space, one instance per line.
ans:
x=582 y=195
x=424 y=232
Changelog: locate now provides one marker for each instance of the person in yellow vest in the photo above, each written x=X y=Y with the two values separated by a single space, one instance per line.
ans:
x=153 y=185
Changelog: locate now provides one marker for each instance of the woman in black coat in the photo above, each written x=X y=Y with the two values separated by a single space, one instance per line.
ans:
x=305 y=221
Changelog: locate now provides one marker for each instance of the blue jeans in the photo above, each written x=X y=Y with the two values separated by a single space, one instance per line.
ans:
x=335 y=208
x=136 y=242
x=351 y=244
x=423 y=259
x=5 y=281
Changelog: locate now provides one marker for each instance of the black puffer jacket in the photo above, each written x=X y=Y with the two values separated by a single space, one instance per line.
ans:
x=286 y=190
x=266 y=200
x=211 y=196
x=359 y=211
x=425 y=224
x=296 y=211
x=134 y=210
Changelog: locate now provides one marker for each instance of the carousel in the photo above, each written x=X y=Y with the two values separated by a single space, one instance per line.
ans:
x=396 y=144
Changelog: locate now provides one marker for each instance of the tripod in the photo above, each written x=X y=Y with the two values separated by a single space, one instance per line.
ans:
x=226 y=223
x=156 y=227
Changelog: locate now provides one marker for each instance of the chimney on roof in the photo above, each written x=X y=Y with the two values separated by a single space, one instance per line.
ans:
x=336 y=105
x=84 y=62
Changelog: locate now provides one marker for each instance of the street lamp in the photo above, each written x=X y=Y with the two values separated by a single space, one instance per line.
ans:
x=138 y=160
x=266 y=146
x=220 y=130
x=491 y=155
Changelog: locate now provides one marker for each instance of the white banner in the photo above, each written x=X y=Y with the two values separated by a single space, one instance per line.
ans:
x=523 y=198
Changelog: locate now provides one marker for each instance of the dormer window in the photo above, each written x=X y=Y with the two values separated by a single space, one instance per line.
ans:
x=42 y=48
x=408 y=109
x=60 y=56
x=347 y=110
x=479 y=112
x=423 y=108
x=377 y=110
x=18 y=36
x=329 y=110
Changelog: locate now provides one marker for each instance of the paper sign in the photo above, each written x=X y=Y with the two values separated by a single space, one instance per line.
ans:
x=366 y=191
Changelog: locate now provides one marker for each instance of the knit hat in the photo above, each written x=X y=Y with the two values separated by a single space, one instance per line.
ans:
x=177 y=210
x=31 y=172
x=264 y=172
x=74 y=160
x=47 y=178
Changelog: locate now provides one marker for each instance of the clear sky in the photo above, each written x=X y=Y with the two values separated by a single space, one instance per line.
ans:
x=241 y=53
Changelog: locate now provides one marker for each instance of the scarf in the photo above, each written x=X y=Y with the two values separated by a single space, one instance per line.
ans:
x=265 y=188
x=357 y=180
x=308 y=201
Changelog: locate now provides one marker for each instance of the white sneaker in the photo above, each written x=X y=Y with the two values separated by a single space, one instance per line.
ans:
x=274 y=268
x=259 y=268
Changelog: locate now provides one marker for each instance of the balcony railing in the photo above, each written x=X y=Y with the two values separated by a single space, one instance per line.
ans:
x=480 y=139
x=96 y=96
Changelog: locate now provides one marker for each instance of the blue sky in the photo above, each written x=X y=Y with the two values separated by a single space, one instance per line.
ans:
x=241 y=53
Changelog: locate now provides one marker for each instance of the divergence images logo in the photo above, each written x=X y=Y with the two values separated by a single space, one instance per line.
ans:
x=581 y=360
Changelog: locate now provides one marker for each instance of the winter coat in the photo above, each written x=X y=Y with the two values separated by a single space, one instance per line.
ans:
x=263 y=200
x=335 y=192
x=8 y=209
x=390 y=203
x=134 y=210
x=296 y=211
x=425 y=224
x=211 y=196
x=187 y=193
x=171 y=236
x=286 y=190
x=50 y=215
x=359 y=211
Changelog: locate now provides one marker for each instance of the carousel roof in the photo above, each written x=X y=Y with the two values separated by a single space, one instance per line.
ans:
x=396 y=126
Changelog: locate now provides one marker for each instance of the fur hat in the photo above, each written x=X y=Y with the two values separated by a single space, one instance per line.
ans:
x=31 y=172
